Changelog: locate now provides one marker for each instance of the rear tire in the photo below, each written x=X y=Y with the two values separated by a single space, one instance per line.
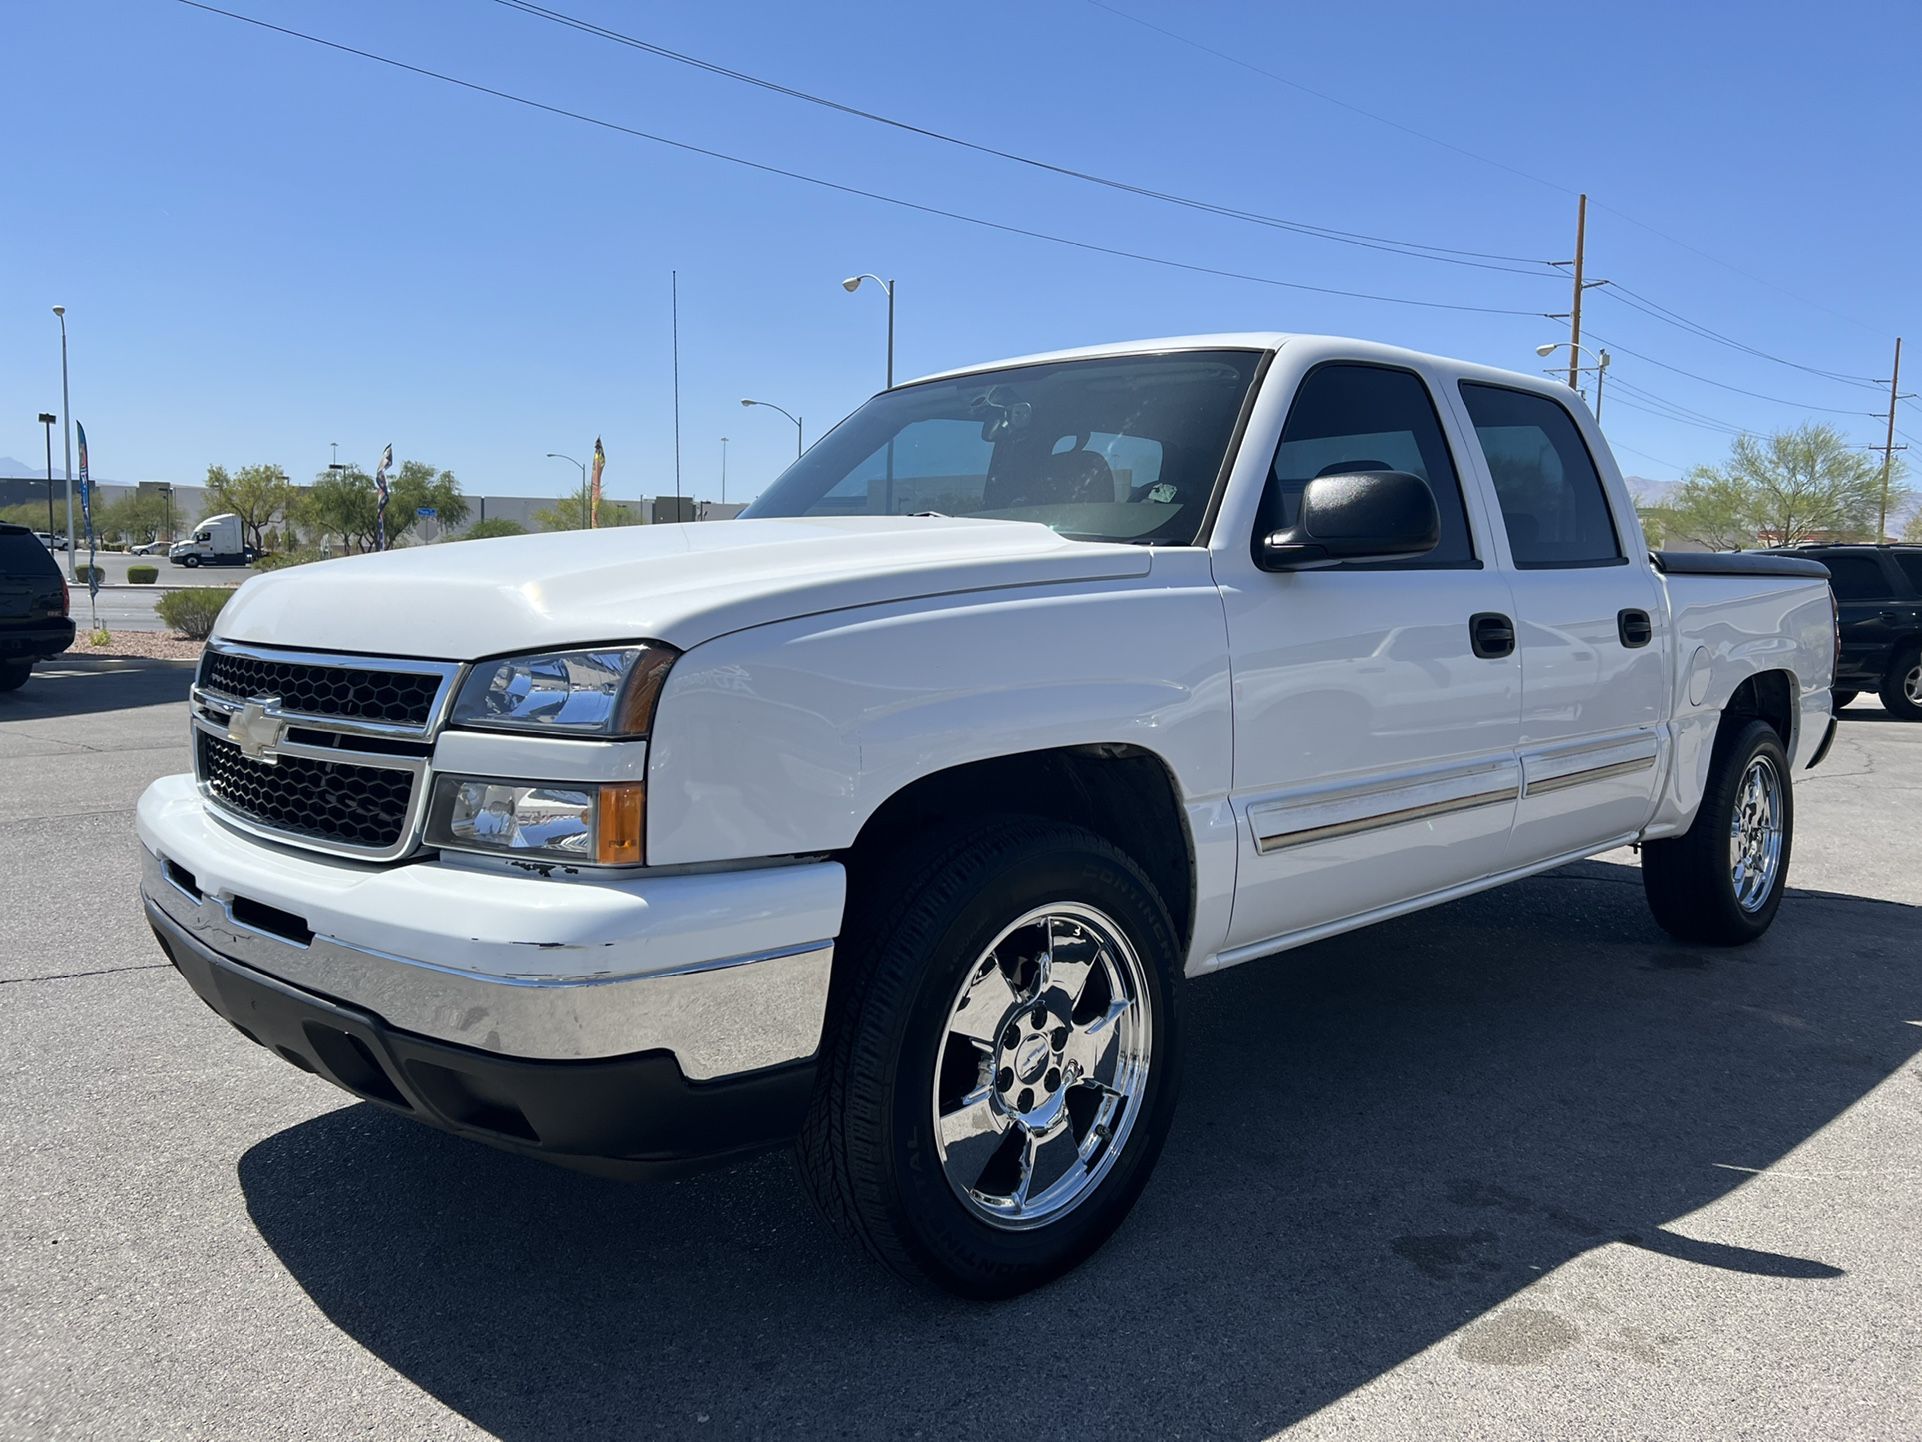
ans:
x=1839 y=699
x=13 y=675
x=1721 y=883
x=1902 y=687
x=991 y=1100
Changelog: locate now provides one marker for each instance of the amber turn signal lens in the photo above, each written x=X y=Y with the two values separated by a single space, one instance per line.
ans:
x=642 y=691
x=622 y=825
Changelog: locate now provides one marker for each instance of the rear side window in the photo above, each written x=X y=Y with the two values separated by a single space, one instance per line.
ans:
x=1551 y=496
x=24 y=555
x=1353 y=417
x=1911 y=564
x=1857 y=578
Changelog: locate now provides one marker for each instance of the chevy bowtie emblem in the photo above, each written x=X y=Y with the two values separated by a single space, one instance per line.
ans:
x=256 y=728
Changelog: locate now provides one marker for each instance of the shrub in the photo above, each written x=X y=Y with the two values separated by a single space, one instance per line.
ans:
x=493 y=526
x=279 y=560
x=83 y=573
x=142 y=575
x=193 y=611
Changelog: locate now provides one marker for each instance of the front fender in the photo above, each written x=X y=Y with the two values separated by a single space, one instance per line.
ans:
x=784 y=739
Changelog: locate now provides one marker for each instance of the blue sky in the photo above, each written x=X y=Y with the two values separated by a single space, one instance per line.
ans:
x=265 y=246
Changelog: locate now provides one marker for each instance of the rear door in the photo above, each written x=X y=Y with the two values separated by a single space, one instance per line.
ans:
x=1590 y=627
x=1374 y=748
x=1871 y=600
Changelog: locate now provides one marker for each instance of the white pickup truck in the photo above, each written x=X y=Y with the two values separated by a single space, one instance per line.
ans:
x=894 y=817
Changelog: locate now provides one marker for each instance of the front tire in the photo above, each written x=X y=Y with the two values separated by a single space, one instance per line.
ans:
x=1721 y=883
x=1839 y=699
x=998 y=1074
x=190 y=562
x=1902 y=687
x=13 y=674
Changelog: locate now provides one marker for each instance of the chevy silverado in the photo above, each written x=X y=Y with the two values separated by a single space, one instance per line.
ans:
x=891 y=819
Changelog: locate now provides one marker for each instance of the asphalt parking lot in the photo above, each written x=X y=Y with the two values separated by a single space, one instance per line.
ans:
x=1518 y=1167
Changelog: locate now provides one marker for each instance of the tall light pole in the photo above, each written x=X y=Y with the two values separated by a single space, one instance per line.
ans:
x=66 y=436
x=724 y=470
x=586 y=519
x=796 y=419
x=852 y=284
x=1575 y=368
x=46 y=422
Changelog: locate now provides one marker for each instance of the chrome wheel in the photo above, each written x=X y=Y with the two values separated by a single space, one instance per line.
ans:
x=1912 y=684
x=1755 y=834
x=1040 y=1073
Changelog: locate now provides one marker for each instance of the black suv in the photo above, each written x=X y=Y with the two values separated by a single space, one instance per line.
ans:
x=33 y=605
x=1878 y=592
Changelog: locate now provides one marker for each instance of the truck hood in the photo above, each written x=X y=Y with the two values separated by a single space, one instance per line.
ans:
x=682 y=584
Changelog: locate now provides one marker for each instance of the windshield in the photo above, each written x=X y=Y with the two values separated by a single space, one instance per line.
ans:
x=1124 y=448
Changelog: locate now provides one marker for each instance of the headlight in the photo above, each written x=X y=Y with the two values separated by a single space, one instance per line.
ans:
x=607 y=691
x=559 y=821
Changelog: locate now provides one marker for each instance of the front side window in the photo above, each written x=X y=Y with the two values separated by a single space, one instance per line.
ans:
x=1117 y=448
x=1551 y=495
x=1354 y=417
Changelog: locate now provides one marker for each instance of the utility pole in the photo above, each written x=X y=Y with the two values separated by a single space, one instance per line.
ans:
x=1888 y=448
x=1575 y=306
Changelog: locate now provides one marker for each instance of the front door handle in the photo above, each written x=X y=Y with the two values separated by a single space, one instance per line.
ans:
x=1491 y=634
x=1634 y=628
x=1891 y=615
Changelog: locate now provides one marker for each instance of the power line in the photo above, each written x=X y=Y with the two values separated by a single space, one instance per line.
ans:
x=1638 y=301
x=1723 y=385
x=1618 y=446
x=767 y=169
x=1323 y=95
x=1419 y=250
x=1680 y=420
x=1683 y=411
x=1474 y=155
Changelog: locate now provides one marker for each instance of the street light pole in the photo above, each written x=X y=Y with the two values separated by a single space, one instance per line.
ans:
x=46 y=424
x=586 y=519
x=66 y=436
x=1575 y=367
x=792 y=417
x=724 y=470
x=852 y=284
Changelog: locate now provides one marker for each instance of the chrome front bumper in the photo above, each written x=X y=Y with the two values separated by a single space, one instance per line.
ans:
x=546 y=969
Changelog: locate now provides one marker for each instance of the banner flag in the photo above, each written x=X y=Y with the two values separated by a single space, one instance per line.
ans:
x=86 y=515
x=594 y=504
x=380 y=484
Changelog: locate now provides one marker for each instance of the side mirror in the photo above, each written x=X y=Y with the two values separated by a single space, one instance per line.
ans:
x=1360 y=516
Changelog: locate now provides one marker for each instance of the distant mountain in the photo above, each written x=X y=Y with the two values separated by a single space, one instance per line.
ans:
x=1650 y=493
x=9 y=466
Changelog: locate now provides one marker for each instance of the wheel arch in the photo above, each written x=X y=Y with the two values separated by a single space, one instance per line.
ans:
x=1768 y=696
x=1122 y=792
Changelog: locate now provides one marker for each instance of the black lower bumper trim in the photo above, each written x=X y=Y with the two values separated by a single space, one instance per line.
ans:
x=1828 y=740
x=37 y=642
x=627 y=1116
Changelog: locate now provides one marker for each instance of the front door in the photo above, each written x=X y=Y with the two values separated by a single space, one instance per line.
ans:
x=1374 y=748
x=1593 y=650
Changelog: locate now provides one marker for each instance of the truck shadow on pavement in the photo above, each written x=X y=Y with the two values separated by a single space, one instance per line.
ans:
x=1382 y=1139
x=88 y=685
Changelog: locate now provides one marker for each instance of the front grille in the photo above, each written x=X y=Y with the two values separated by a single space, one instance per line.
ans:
x=348 y=692
x=333 y=803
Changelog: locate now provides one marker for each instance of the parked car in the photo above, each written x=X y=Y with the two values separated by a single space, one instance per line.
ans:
x=1878 y=590
x=34 y=624
x=895 y=816
x=147 y=548
x=50 y=541
x=216 y=541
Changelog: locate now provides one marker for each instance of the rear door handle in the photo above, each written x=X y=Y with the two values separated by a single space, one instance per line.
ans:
x=1634 y=628
x=1891 y=615
x=1491 y=634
